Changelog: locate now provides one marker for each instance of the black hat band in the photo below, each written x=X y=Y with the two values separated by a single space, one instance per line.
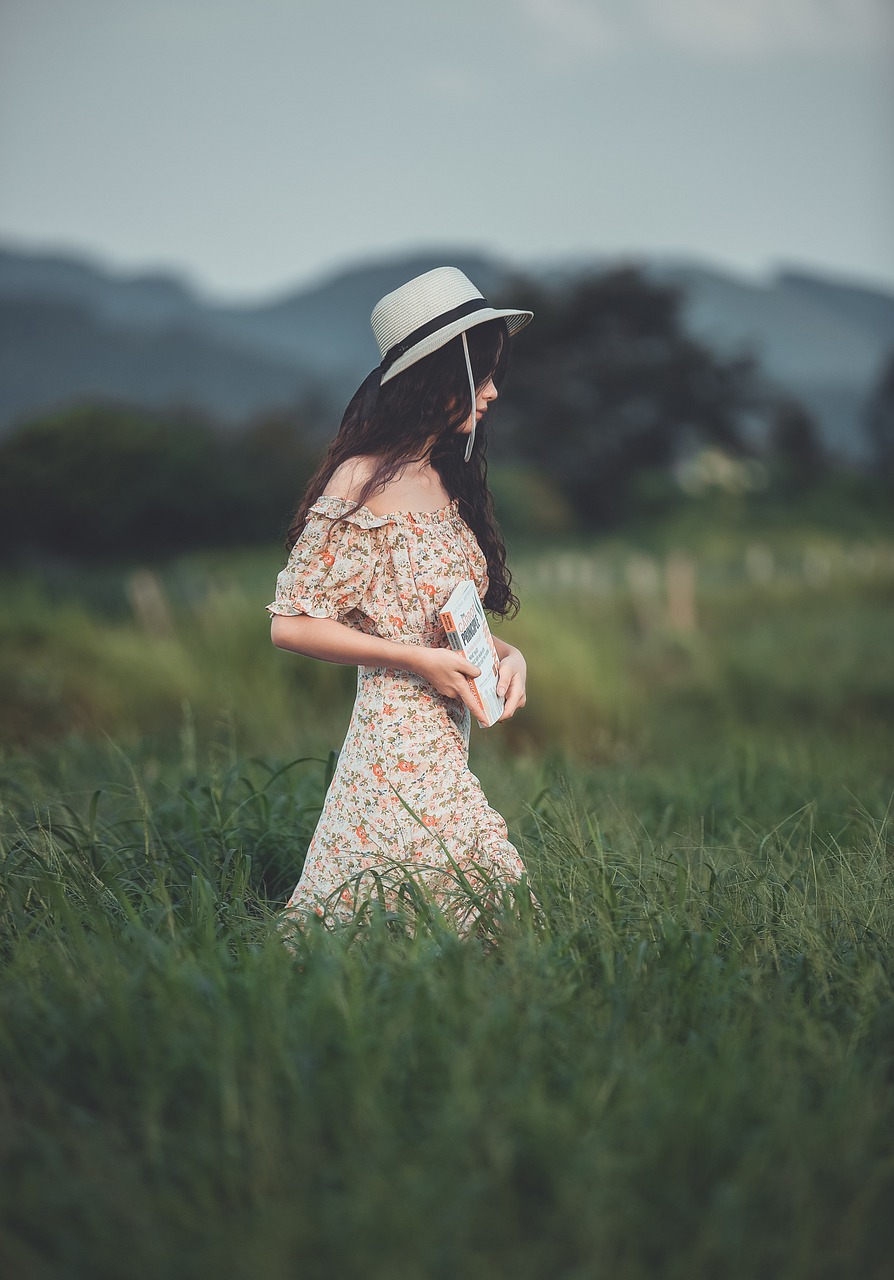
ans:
x=430 y=327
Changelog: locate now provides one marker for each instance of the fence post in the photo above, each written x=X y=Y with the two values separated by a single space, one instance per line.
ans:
x=680 y=576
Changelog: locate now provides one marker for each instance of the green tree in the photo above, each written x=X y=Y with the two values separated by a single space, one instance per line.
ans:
x=112 y=482
x=275 y=457
x=797 y=457
x=607 y=386
x=100 y=480
x=880 y=421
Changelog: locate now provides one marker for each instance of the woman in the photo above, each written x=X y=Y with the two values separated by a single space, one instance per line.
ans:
x=399 y=512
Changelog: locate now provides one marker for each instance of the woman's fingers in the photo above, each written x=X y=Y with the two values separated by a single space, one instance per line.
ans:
x=515 y=698
x=467 y=671
x=446 y=670
x=467 y=695
x=450 y=672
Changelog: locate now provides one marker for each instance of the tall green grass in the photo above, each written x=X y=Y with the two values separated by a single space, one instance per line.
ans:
x=610 y=678
x=680 y=1065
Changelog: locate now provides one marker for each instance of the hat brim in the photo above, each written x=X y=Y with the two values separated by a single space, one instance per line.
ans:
x=515 y=320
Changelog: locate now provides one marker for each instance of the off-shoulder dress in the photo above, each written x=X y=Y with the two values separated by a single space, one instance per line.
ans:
x=402 y=798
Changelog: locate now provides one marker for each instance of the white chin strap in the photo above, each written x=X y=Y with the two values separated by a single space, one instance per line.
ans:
x=471 y=441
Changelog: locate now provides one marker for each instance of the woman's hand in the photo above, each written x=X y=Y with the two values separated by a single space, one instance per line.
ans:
x=448 y=670
x=513 y=673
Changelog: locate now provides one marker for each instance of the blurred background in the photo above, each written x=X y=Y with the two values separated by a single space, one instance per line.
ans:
x=686 y=1071
x=693 y=460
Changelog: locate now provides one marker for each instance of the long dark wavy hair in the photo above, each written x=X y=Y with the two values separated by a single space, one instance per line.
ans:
x=430 y=399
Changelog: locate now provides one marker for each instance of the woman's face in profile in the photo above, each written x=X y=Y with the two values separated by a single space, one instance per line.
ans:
x=485 y=395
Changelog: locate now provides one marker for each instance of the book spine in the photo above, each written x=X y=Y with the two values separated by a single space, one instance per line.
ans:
x=452 y=631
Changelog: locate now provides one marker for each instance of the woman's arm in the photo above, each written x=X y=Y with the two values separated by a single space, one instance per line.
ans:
x=332 y=641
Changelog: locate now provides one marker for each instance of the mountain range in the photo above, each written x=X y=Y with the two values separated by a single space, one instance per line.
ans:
x=71 y=329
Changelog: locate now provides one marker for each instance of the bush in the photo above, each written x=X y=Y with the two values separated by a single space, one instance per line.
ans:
x=100 y=481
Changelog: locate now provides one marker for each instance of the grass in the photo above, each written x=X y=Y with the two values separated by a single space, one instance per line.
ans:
x=682 y=1066
x=684 y=1069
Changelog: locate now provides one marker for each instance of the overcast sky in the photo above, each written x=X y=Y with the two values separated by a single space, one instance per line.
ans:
x=258 y=144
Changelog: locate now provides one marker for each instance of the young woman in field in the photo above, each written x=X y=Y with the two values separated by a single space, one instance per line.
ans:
x=398 y=513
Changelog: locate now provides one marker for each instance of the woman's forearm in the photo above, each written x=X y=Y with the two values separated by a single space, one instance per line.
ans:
x=332 y=641
x=503 y=649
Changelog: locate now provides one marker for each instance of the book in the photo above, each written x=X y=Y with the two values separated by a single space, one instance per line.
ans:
x=465 y=624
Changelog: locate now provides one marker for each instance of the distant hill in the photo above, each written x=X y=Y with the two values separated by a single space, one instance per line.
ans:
x=144 y=301
x=70 y=328
x=329 y=323
x=822 y=340
x=55 y=353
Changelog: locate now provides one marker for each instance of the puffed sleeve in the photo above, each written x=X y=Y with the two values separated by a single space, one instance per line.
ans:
x=329 y=576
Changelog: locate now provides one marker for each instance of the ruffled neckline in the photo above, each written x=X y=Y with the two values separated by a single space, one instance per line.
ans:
x=371 y=520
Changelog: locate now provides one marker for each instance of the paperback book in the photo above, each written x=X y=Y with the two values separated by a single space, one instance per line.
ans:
x=465 y=624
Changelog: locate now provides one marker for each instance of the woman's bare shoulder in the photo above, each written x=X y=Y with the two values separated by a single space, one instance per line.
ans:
x=401 y=493
x=350 y=476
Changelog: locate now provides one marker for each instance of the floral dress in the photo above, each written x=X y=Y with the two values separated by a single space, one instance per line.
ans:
x=403 y=803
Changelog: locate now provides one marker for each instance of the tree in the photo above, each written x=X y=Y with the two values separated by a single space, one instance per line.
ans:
x=103 y=480
x=108 y=481
x=880 y=421
x=796 y=450
x=275 y=458
x=607 y=385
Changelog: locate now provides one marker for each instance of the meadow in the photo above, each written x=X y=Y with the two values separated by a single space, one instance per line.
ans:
x=680 y=1065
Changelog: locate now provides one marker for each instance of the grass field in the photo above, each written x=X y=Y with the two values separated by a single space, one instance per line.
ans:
x=683 y=1066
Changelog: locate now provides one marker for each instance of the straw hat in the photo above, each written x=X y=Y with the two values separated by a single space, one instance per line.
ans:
x=423 y=315
x=427 y=312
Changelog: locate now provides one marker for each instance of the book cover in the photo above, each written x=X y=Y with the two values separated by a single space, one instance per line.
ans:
x=465 y=624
